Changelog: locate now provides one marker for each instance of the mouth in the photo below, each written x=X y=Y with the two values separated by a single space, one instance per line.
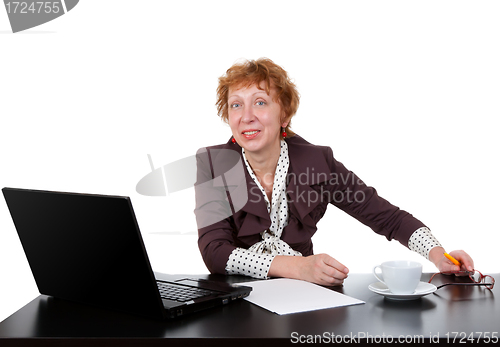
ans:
x=250 y=134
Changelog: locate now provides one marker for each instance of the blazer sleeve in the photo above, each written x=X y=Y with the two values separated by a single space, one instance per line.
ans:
x=350 y=194
x=213 y=216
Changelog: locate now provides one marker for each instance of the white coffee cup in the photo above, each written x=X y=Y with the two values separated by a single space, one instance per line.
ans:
x=400 y=276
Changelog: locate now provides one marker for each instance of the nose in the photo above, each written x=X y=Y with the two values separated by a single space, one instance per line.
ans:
x=248 y=115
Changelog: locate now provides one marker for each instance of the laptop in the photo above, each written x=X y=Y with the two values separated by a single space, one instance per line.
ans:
x=88 y=248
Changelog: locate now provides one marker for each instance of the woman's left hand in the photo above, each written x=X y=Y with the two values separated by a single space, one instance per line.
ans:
x=445 y=265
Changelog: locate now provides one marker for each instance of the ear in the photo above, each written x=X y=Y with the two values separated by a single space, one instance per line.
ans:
x=285 y=122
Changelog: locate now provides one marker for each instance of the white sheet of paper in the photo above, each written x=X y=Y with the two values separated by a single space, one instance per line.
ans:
x=285 y=296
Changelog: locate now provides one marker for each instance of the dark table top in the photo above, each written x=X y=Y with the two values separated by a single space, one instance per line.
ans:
x=452 y=311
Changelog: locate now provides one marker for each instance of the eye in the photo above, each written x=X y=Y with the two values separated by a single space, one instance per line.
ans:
x=235 y=105
x=260 y=103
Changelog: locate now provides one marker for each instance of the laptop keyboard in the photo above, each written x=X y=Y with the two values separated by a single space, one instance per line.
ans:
x=181 y=293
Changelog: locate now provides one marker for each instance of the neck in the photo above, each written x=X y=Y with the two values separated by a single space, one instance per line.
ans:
x=264 y=164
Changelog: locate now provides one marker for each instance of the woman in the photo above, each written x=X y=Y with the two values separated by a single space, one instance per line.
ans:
x=260 y=195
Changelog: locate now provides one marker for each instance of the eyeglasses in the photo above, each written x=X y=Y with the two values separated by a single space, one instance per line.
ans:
x=477 y=278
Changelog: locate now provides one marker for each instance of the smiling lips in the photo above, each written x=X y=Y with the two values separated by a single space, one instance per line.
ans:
x=250 y=134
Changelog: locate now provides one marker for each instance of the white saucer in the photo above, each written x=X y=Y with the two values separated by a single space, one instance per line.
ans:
x=422 y=289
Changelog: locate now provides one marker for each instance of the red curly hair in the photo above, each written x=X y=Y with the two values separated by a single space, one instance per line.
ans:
x=253 y=72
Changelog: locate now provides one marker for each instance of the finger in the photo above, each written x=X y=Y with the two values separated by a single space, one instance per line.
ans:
x=330 y=281
x=449 y=267
x=334 y=274
x=446 y=266
x=466 y=268
x=466 y=261
x=335 y=264
x=468 y=264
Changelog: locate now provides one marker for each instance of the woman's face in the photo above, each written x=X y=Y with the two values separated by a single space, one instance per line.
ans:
x=254 y=118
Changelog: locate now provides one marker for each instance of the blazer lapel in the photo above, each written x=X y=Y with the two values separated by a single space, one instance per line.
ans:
x=231 y=172
x=305 y=171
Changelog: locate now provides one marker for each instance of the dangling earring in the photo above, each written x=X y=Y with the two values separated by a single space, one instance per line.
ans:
x=233 y=140
x=283 y=133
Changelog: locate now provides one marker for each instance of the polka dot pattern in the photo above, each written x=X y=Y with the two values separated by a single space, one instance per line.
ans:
x=245 y=262
x=271 y=244
x=422 y=241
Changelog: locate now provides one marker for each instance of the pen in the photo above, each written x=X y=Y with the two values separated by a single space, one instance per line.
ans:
x=453 y=260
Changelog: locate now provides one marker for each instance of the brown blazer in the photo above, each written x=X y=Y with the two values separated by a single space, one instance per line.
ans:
x=314 y=180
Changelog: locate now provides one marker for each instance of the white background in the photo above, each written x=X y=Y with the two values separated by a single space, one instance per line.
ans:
x=405 y=92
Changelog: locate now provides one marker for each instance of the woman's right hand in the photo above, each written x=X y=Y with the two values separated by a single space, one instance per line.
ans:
x=320 y=269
